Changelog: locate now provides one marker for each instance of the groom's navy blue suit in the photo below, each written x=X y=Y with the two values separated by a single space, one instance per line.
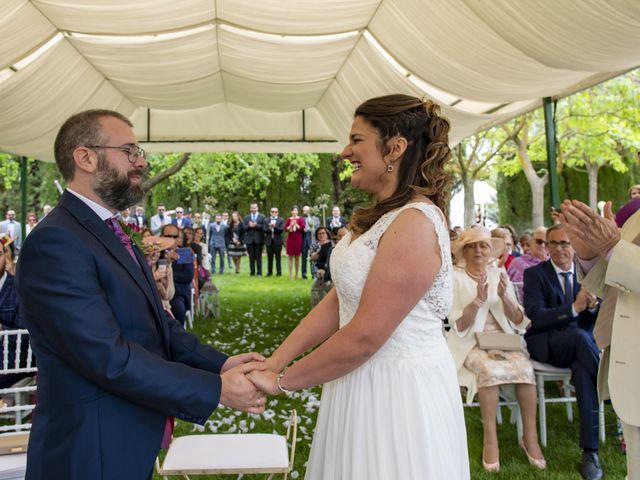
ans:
x=111 y=365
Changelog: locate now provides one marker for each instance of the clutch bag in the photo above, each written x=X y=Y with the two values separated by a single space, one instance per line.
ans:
x=508 y=342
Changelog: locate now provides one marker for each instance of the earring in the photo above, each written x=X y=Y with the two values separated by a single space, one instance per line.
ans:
x=390 y=168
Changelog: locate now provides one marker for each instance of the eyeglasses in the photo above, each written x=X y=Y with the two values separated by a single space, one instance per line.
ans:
x=134 y=152
x=561 y=244
x=539 y=241
x=170 y=236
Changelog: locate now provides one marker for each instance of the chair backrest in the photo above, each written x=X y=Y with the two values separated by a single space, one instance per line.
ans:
x=17 y=362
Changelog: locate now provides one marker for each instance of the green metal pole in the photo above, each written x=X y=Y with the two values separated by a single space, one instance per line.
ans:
x=23 y=195
x=550 y=132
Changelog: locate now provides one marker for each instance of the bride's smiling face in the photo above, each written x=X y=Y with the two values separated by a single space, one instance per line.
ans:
x=366 y=158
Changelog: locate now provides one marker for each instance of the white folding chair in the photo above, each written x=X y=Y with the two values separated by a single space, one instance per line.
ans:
x=16 y=404
x=209 y=300
x=548 y=373
x=218 y=454
x=189 y=314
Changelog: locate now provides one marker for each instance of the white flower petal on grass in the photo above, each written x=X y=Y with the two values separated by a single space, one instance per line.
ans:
x=295 y=474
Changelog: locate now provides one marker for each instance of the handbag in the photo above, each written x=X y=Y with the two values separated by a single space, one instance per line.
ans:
x=507 y=342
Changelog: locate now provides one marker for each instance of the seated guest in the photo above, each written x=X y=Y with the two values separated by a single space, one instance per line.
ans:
x=182 y=276
x=160 y=254
x=322 y=282
x=484 y=301
x=515 y=249
x=562 y=317
x=525 y=243
x=10 y=319
x=537 y=254
x=506 y=257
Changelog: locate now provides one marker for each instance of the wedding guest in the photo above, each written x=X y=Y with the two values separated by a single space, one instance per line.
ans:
x=235 y=235
x=515 y=251
x=198 y=238
x=126 y=218
x=274 y=227
x=484 y=301
x=32 y=220
x=139 y=217
x=160 y=255
x=183 y=274
x=537 y=255
x=294 y=227
x=225 y=222
x=217 y=242
x=45 y=210
x=311 y=224
x=506 y=256
x=9 y=253
x=391 y=406
x=180 y=220
x=335 y=221
x=525 y=243
x=159 y=220
x=634 y=192
x=253 y=231
x=322 y=283
x=13 y=228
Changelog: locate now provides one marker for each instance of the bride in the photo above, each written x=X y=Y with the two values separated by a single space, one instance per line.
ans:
x=391 y=406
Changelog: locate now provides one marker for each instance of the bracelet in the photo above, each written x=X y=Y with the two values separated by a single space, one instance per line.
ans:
x=288 y=393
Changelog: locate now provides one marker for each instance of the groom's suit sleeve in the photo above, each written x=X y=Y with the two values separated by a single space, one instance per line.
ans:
x=70 y=316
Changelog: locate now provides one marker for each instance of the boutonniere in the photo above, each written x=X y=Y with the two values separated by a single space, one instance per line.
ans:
x=133 y=232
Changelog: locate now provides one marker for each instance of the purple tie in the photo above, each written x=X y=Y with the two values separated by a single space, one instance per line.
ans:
x=116 y=228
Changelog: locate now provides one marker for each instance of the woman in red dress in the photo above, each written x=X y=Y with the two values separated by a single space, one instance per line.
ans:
x=295 y=226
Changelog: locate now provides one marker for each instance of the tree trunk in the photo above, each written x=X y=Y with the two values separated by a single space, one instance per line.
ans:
x=166 y=173
x=469 y=201
x=336 y=164
x=537 y=185
x=592 y=171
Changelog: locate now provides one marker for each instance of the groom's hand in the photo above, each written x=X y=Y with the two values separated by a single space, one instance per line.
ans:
x=236 y=360
x=238 y=392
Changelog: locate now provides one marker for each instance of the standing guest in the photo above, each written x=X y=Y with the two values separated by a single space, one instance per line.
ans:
x=9 y=253
x=206 y=219
x=13 y=228
x=196 y=221
x=382 y=356
x=45 y=210
x=32 y=220
x=140 y=218
x=322 y=283
x=112 y=368
x=273 y=241
x=562 y=314
x=180 y=220
x=217 y=242
x=235 y=236
x=335 y=221
x=634 y=192
x=198 y=238
x=253 y=231
x=311 y=224
x=225 y=221
x=294 y=227
x=159 y=220
x=484 y=301
x=126 y=218
x=609 y=258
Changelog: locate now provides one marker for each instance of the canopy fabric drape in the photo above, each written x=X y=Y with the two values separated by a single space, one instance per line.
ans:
x=273 y=75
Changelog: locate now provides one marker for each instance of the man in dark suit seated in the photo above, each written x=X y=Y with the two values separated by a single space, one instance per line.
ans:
x=562 y=315
x=113 y=369
x=10 y=320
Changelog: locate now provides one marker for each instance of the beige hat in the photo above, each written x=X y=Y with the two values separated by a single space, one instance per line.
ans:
x=161 y=243
x=475 y=234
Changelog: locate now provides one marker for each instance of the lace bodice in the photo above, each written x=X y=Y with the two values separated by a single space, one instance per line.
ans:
x=422 y=327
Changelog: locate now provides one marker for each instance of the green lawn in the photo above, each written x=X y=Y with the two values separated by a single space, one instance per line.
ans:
x=258 y=312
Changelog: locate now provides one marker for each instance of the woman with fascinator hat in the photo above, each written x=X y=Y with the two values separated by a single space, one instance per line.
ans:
x=484 y=302
x=391 y=406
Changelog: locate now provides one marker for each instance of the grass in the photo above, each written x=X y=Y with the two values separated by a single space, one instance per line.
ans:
x=258 y=312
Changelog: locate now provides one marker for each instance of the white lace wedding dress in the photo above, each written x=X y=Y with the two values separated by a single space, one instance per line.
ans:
x=399 y=416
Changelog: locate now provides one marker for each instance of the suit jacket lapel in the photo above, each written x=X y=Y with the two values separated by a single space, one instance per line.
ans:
x=92 y=223
x=552 y=277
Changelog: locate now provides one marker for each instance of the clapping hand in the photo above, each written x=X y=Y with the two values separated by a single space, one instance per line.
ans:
x=582 y=223
x=502 y=285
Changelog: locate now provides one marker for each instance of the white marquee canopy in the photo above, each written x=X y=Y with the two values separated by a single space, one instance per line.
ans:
x=286 y=75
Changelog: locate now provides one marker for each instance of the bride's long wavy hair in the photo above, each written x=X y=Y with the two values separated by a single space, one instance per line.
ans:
x=422 y=167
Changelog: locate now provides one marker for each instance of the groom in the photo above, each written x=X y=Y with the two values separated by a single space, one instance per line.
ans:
x=113 y=370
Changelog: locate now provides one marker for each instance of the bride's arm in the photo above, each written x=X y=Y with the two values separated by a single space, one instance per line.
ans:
x=319 y=324
x=406 y=263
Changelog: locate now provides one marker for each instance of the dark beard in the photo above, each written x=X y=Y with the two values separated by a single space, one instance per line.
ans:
x=114 y=188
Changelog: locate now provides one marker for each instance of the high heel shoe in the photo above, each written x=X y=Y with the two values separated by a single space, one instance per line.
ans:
x=490 y=467
x=539 y=463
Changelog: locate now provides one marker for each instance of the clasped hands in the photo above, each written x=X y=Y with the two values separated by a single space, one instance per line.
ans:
x=247 y=379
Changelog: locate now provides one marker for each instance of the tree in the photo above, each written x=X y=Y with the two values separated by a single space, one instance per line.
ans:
x=470 y=159
x=599 y=127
